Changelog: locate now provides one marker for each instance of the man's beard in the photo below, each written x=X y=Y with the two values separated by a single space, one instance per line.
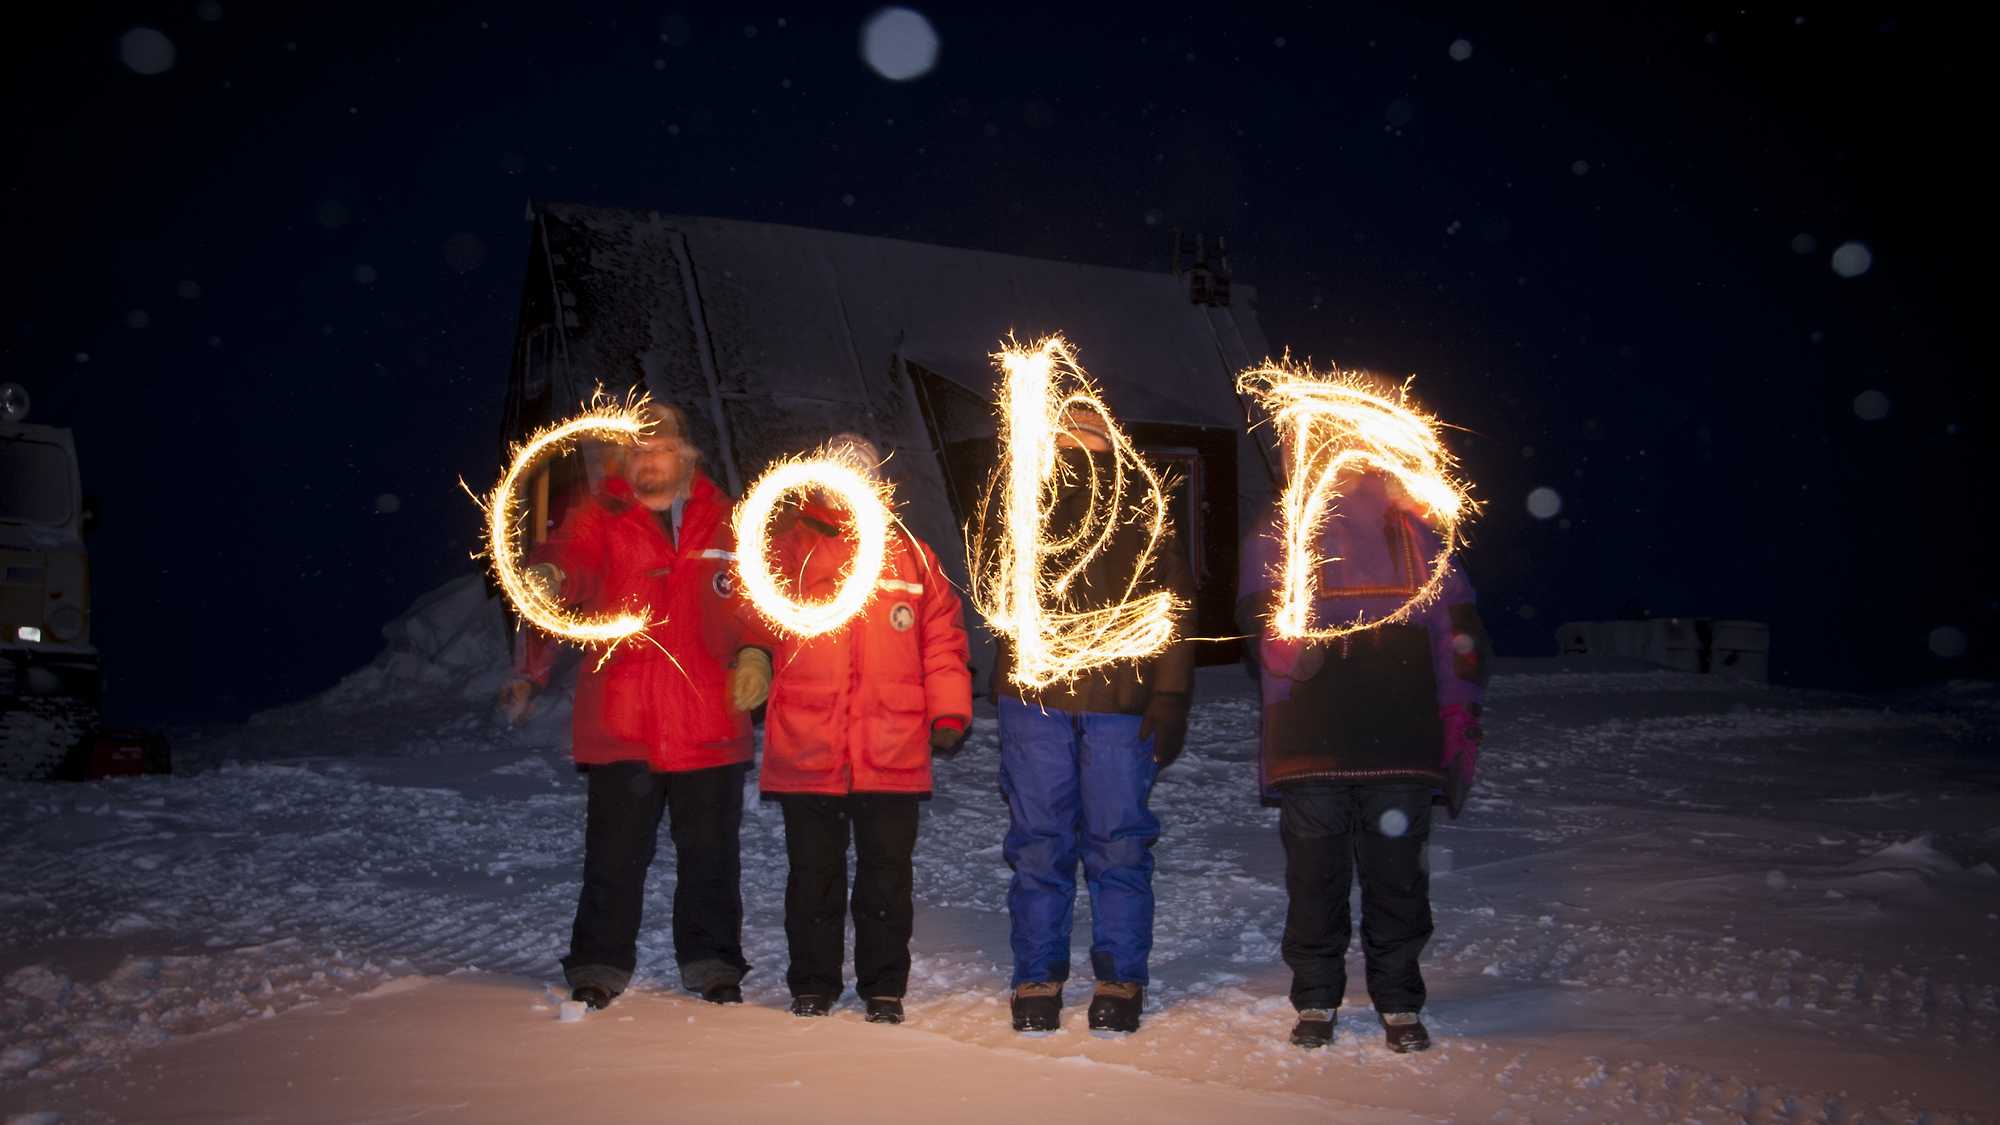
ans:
x=653 y=485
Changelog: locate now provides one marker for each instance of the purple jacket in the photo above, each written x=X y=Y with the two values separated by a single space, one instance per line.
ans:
x=1371 y=712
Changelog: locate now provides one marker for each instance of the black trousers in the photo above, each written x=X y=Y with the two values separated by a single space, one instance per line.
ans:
x=884 y=829
x=620 y=837
x=1329 y=830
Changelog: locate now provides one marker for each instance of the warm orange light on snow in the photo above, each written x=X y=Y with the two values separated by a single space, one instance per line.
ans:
x=1331 y=425
x=1027 y=582
x=852 y=485
x=537 y=605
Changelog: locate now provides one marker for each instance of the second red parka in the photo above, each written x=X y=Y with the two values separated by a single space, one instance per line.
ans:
x=851 y=711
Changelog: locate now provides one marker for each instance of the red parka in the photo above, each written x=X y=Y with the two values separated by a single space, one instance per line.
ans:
x=851 y=711
x=667 y=708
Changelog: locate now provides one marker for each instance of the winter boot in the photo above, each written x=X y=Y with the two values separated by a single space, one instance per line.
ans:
x=1116 y=1006
x=807 y=1005
x=885 y=1009
x=723 y=994
x=591 y=996
x=1038 y=1005
x=1314 y=1029
x=1405 y=1032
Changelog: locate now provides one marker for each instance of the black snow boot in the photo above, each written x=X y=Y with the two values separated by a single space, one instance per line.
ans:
x=1405 y=1032
x=885 y=1009
x=1314 y=1029
x=723 y=994
x=591 y=996
x=1116 y=1006
x=1038 y=1005
x=808 y=1005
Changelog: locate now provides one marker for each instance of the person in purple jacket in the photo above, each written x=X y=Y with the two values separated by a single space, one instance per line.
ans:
x=1358 y=736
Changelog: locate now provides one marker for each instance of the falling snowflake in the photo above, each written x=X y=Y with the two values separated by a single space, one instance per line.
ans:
x=137 y=318
x=1544 y=503
x=1803 y=243
x=1948 y=642
x=1581 y=168
x=1394 y=823
x=1154 y=216
x=388 y=504
x=146 y=50
x=1852 y=259
x=847 y=200
x=1461 y=50
x=899 y=44
x=1871 y=406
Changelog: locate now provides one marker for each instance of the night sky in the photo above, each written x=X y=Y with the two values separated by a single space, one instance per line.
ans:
x=272 y=287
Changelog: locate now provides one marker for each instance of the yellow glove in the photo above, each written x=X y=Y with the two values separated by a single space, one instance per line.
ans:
x=749 y=679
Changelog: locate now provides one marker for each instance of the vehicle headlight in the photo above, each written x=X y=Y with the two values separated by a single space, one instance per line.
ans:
x=66 y=623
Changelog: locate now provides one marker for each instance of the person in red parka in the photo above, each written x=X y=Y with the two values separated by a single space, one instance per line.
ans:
x=660 y=726
x=854 y=717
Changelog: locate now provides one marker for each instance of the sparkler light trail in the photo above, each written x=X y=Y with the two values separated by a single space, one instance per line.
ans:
x=835 y=470
x=1332 y=424
x=605 y=419
x=1028 y=578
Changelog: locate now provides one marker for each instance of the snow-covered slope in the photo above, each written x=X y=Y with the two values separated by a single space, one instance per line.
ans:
x=1674 y=898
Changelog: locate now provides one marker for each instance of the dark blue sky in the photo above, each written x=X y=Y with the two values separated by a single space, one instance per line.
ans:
x=293 y=260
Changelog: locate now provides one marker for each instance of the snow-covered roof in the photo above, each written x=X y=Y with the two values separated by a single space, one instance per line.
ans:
x=823 y=314
x=775 y=337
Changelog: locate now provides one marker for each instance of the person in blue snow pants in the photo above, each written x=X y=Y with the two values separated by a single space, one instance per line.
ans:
x=1077 y=765
x=1076 y=787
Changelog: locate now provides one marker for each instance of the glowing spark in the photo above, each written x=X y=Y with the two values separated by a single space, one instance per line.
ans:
x=1333 y=424
x=1027 y=579
x=853 y=486
x=605 y=419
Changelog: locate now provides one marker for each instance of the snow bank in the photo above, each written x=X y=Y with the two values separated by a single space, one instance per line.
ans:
x=452 y=642
x=431 y=690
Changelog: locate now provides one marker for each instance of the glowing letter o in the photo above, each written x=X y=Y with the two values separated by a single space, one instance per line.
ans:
x=863 y=499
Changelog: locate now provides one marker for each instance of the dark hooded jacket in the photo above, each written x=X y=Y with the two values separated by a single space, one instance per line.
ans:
x=1126 y=687
x=1372 y=711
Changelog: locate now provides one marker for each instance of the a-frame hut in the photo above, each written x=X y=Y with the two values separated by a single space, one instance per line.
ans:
x=775 y=337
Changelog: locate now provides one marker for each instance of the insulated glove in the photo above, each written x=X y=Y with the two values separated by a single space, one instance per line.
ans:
x=1462 y=735
x=515 y=699
x=1297 y=661
x=749 y=679
x=947 y=738
x=546 y=577
x=1166 y=723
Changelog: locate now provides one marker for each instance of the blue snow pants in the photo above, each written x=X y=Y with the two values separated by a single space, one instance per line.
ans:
x=1076 y=785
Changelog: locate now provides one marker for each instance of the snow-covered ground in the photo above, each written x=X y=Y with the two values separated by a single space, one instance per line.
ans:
x=1674 y=898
